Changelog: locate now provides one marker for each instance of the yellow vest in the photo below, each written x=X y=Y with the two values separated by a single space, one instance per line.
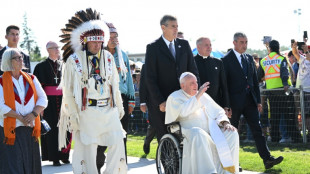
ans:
x=271 y=65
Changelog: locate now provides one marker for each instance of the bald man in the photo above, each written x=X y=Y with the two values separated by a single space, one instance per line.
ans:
x=48 y=73
x=212 y=70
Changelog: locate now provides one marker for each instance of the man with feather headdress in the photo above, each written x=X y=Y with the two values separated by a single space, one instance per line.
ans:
x=92 y=104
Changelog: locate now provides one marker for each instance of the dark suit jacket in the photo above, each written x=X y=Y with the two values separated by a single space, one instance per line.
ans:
x=163 y=71
x=212 y=70
x=143 y=92
x=237 y=82
x=26 y=60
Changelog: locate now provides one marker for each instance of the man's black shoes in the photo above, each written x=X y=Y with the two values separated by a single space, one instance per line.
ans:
x=269 y=163
x=146 y=148
x=56 y=163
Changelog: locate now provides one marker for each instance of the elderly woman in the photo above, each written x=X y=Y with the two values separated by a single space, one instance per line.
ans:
x=21 y=100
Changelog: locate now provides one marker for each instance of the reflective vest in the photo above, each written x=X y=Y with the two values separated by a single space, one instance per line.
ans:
x=271 y=66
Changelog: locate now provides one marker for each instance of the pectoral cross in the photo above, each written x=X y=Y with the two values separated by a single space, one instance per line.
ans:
x=56 y=79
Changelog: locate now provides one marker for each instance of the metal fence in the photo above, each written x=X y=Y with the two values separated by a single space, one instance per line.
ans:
x=285 y=117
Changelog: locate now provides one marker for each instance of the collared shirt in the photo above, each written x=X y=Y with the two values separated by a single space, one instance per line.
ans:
x=204 y=57
x=52 y=59
x=22 y=108
x=238 y=55
x=168 y=42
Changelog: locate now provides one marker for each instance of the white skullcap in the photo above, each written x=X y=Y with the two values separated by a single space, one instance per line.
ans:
x=185 y=74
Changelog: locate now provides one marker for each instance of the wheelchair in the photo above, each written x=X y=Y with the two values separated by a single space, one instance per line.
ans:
x=169 y=151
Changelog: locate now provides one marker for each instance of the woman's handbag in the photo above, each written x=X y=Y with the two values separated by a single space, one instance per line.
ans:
x=45 y=127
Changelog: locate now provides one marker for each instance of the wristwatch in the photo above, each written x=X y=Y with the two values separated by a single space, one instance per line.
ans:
x=34 y=113
x=307 y=52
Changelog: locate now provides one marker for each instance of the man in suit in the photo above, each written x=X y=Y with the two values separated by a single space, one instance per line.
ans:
x=12 y=35
x=212 y=70
x=166 y=59
x=244 y=94
x=144 y=105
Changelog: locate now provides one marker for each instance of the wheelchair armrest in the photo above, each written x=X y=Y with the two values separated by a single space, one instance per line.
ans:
x=175 y=128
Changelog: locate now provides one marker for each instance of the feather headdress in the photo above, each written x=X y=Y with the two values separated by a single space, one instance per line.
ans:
x=85 y=26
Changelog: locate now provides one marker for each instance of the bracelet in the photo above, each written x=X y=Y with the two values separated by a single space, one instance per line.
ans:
x=307 y=52
x=34 y=113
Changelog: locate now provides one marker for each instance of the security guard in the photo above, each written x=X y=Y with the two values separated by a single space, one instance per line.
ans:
x=274 y=68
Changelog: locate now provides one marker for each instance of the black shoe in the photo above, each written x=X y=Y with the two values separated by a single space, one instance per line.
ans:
x=146 y=148
x=240 y=169
x=65 y=161
x=272 y=161
x=56 y=163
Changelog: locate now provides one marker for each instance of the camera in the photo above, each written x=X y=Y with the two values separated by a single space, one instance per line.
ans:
x=267 y=39
x=300 y=44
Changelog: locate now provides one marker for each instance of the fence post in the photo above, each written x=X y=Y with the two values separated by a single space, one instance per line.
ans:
x=302 y=110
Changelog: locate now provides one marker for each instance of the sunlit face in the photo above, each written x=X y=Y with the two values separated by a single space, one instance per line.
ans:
x=94 y=46
x=17 y=61
x=241 y=44
x=13 y=37
x=204 y=47
x=291 y=59
x=170 y=30
x=113 y=41
x=190 y=85
x=53 y=51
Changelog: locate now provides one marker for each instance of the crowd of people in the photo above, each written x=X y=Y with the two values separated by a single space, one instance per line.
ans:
x=87 y=95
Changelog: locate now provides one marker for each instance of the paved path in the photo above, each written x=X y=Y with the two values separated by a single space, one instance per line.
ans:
x=135 y=166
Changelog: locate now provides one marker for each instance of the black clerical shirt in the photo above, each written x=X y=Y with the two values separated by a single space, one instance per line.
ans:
x=212 y=70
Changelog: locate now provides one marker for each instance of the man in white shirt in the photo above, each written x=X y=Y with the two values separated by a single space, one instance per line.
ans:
x=303 y=78
x=205 y=128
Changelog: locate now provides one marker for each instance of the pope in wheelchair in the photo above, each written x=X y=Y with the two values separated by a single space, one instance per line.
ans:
x=210 y=142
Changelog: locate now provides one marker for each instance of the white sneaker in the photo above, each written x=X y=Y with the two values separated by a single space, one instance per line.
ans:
x=286 y=140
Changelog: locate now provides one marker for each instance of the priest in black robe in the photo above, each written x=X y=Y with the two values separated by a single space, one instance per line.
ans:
x=212 y=70
x=48 y=73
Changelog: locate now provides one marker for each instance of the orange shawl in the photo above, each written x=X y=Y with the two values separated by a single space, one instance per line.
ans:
x=9 y=99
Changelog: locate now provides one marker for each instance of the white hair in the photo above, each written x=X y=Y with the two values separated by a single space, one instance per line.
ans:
x=185 y=75
x=6 y=62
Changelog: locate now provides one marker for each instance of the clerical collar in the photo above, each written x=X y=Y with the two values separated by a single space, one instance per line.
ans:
x=52 y=59
x=187 y=95
x=167 y=41
x=204 y=57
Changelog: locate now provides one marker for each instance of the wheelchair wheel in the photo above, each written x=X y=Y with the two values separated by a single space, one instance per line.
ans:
x=169 y=156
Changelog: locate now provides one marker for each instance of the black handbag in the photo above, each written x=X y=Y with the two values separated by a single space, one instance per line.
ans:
x=45 y=127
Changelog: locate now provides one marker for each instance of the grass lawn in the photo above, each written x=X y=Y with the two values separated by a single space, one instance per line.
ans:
x=296 y=156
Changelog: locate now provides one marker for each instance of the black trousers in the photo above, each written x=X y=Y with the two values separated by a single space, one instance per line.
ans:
x=250 y=113
x=150 y=134
x=157 y=121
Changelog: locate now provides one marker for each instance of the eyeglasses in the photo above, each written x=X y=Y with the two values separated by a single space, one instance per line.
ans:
x=18 y=58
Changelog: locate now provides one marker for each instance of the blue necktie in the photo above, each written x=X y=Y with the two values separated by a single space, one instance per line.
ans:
x=244 y=65
x=171 y=49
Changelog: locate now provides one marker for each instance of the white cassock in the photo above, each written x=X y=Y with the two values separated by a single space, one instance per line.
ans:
x=206 y=147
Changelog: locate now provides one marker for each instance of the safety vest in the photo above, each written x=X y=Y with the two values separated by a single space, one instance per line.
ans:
x=271 y=65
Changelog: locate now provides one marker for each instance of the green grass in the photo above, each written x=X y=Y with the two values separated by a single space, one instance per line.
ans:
x=296 y=156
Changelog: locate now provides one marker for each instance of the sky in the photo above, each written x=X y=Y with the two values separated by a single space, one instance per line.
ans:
x=137 y=21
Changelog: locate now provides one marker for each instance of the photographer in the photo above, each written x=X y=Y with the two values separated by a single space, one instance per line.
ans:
x=303 y=76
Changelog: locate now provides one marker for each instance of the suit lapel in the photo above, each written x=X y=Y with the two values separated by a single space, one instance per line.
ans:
x=177 y=48
x=236 y=63
x=165 y=48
